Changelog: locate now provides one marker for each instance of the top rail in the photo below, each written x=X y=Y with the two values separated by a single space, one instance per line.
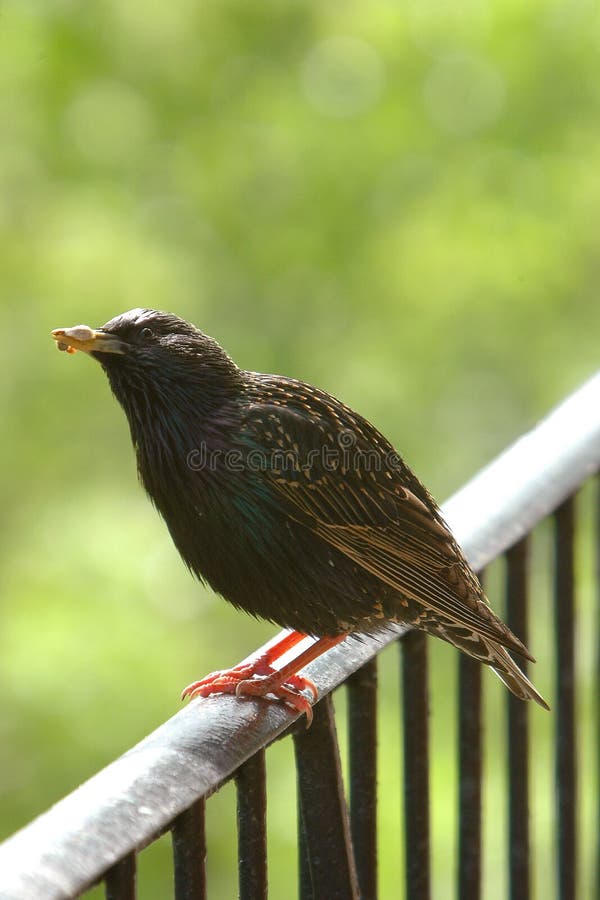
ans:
x=125 y=805
x=503 y=502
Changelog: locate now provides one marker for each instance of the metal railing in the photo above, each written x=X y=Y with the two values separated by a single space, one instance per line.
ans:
x=162 y=784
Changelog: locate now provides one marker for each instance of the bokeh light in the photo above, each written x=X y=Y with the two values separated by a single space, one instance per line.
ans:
x=397 y=202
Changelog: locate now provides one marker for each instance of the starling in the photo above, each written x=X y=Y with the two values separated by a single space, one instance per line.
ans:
x=289 y=504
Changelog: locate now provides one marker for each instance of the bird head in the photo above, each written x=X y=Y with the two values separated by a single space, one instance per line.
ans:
x=155 y=360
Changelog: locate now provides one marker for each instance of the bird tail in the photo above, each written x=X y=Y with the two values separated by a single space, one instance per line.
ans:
x=490 y=653
x=515 y=680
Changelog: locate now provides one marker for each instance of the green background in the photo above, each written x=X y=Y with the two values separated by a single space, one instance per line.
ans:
x=397 y=202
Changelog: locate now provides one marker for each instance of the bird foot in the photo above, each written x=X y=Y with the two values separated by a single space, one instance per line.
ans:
x=257 y=679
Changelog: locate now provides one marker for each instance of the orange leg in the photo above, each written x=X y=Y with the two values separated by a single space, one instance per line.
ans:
x=282 y=646
x=258 y=677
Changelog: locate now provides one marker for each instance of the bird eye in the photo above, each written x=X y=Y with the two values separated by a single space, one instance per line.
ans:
x=146 y=334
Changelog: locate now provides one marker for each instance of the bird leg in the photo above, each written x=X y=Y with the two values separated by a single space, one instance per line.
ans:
x=258 y=677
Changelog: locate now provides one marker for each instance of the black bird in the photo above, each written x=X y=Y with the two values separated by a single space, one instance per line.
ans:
x=289 y=504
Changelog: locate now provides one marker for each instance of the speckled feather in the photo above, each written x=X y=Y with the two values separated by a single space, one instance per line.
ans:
x=285 y=519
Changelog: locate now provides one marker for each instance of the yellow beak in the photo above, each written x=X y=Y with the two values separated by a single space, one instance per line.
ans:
x=82 y=337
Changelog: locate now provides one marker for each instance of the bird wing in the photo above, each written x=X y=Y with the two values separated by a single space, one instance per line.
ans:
x=414 y=555
x=379 y=514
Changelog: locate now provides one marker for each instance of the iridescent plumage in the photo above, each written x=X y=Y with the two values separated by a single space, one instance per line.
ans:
x=288 y=503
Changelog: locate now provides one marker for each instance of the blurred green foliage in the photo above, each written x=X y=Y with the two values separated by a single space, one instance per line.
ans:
x=398 y=203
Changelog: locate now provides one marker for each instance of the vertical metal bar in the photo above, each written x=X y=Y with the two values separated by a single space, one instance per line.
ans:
x=120 y=880
x=251 y=786
x=362 y=743
x=470 y=768
x=188 y=835
x=323 y=810
x=416 y=764
x=305 y=885
x=518 y=730
x=564 y=617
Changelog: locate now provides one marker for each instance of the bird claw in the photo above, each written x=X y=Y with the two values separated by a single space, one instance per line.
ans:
x=218 y=682
x=287 y=691
x=257 y=680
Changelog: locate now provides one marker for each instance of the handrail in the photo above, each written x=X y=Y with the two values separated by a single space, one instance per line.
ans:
x=125 y=805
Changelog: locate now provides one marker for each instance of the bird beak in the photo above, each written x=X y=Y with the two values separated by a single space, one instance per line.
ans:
x=82 y=337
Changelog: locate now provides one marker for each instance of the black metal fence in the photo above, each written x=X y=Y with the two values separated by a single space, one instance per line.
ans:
x=164 y=783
